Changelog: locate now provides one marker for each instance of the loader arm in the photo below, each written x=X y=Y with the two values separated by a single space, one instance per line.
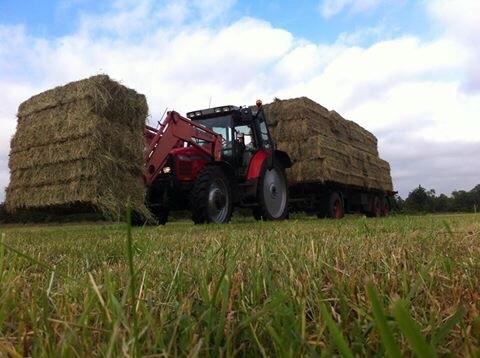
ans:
x=174 y=132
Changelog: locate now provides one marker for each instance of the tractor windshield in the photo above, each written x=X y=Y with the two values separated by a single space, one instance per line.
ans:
x=221 y=125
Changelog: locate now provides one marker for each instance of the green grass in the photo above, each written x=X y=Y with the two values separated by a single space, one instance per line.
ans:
x=357 y=287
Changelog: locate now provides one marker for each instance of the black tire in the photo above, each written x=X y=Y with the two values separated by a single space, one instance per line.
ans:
x=138 y=219
x=257 y=213
x=332 y=206
x=160 y=213
x=211 y=197
x=157 y=204
x=272 y=194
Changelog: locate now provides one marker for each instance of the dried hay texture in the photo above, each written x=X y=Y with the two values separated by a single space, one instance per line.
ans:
x=79 y=147
x=326 y=147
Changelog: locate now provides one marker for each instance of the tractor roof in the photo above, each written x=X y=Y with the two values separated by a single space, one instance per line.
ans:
x=245 y=112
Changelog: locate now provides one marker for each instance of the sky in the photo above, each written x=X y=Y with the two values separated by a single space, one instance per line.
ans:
x=405 y=70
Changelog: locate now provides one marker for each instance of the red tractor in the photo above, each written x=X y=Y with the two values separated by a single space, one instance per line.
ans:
x=217 y=159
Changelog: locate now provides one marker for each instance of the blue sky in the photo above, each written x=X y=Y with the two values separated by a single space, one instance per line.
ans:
x=302 y=18
x=405 y=70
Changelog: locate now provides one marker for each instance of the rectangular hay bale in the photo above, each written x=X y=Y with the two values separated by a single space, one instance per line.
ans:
x=79 y=147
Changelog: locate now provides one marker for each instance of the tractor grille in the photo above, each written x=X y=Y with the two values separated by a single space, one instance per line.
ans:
x=184 y=168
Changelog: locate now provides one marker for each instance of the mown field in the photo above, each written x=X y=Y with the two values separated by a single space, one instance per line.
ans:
x=356 y=287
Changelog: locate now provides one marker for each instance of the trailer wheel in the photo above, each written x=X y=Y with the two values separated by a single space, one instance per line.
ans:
x=376 y=207
x=332 y=206
x=211 y=197
x=272 y=195
x=385 y=206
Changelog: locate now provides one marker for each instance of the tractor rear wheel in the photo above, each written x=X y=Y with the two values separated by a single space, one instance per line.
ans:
x=157 y=204
x=272 y=195
x=211 y=197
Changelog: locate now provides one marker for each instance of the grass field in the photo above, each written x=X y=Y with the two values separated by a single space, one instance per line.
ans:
x=356 y=287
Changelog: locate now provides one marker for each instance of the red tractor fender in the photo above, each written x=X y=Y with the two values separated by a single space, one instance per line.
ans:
x=256 y=163
x=260 y=157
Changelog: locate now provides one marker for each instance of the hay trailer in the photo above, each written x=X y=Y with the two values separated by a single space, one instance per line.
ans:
x=212 y=161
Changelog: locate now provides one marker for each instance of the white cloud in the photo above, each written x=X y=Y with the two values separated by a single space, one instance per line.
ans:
x=12 y=94
x=461 y=16
x=460 y=21
x=330 y=8
x=407 y=91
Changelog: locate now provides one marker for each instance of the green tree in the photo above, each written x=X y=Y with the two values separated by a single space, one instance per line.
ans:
x=462 y=201
x=475 y=197
x=420 y=200
x=442 y=203
x=398 y=204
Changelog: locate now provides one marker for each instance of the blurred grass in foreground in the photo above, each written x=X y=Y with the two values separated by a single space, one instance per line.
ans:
x=396 y=286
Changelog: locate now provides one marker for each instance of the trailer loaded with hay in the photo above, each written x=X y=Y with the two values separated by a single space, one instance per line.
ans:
x=335 y=163
x=85 y=148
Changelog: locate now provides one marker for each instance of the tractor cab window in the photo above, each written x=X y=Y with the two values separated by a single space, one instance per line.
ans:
x=245 y=146
x=226 y=135
x=223 y=126
x=244 y=135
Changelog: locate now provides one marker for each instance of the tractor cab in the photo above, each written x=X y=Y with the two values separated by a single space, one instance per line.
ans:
x=243 y=132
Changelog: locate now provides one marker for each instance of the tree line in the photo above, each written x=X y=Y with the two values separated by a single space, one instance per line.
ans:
x=421 y=200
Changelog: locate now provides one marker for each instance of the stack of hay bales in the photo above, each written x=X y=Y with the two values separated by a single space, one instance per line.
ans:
x=79 y=148
x=326 y=147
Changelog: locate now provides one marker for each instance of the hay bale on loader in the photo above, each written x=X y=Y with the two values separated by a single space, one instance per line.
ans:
x=79 y=148
x=325 y=147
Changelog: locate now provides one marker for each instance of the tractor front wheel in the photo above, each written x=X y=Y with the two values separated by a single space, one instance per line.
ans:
x=160 y=213
x=272 y=195
x=211 y=197
x=157 y=204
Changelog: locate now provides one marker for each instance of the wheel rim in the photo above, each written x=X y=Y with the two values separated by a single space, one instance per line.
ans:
x=218 y=201
x=274 y=193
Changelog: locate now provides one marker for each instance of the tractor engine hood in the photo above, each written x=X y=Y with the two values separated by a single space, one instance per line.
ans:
x=188 y=162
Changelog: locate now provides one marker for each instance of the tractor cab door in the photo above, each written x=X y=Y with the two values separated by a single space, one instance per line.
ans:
x=262 y=133
x=250 y=136
x=245 y=145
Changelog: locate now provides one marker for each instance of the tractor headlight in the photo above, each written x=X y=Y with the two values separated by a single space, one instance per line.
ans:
x=166 y=170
